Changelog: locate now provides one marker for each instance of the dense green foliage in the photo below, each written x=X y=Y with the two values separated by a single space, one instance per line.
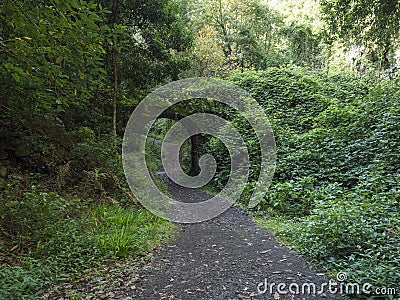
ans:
x=64 y=204
x=47 y=59
x=244 y=31
x=337 y=179
x=373 y=24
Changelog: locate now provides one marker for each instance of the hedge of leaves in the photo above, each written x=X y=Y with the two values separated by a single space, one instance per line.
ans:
x=337 y=178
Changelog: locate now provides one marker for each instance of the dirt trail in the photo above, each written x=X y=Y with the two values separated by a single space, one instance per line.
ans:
x=224 y=258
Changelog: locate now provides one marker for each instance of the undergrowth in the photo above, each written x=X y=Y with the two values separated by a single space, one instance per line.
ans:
x=48 y=238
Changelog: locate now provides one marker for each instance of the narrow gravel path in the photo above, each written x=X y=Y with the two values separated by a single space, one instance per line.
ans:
x=224 y=258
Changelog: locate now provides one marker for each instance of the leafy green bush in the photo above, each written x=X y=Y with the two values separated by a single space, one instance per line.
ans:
x=292 y=198
x=43 y=240
x=336 y=190
x=357 y=231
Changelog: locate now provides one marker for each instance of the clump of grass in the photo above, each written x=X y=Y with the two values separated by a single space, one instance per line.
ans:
x=123 y=232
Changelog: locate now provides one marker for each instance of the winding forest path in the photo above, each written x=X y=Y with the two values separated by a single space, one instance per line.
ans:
x=224 y=258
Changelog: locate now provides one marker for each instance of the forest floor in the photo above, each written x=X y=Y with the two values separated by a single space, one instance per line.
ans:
x=228 y=257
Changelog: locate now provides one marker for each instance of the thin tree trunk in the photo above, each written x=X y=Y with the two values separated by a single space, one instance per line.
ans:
x=115 y=90
x=112 y=22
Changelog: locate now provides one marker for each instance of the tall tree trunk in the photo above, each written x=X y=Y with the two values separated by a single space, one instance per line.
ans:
x=197 y=141
x=115 y=90
x=112 y=22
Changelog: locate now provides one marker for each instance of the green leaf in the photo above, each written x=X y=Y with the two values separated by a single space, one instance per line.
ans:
x=59 y=59
x=15 y=76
